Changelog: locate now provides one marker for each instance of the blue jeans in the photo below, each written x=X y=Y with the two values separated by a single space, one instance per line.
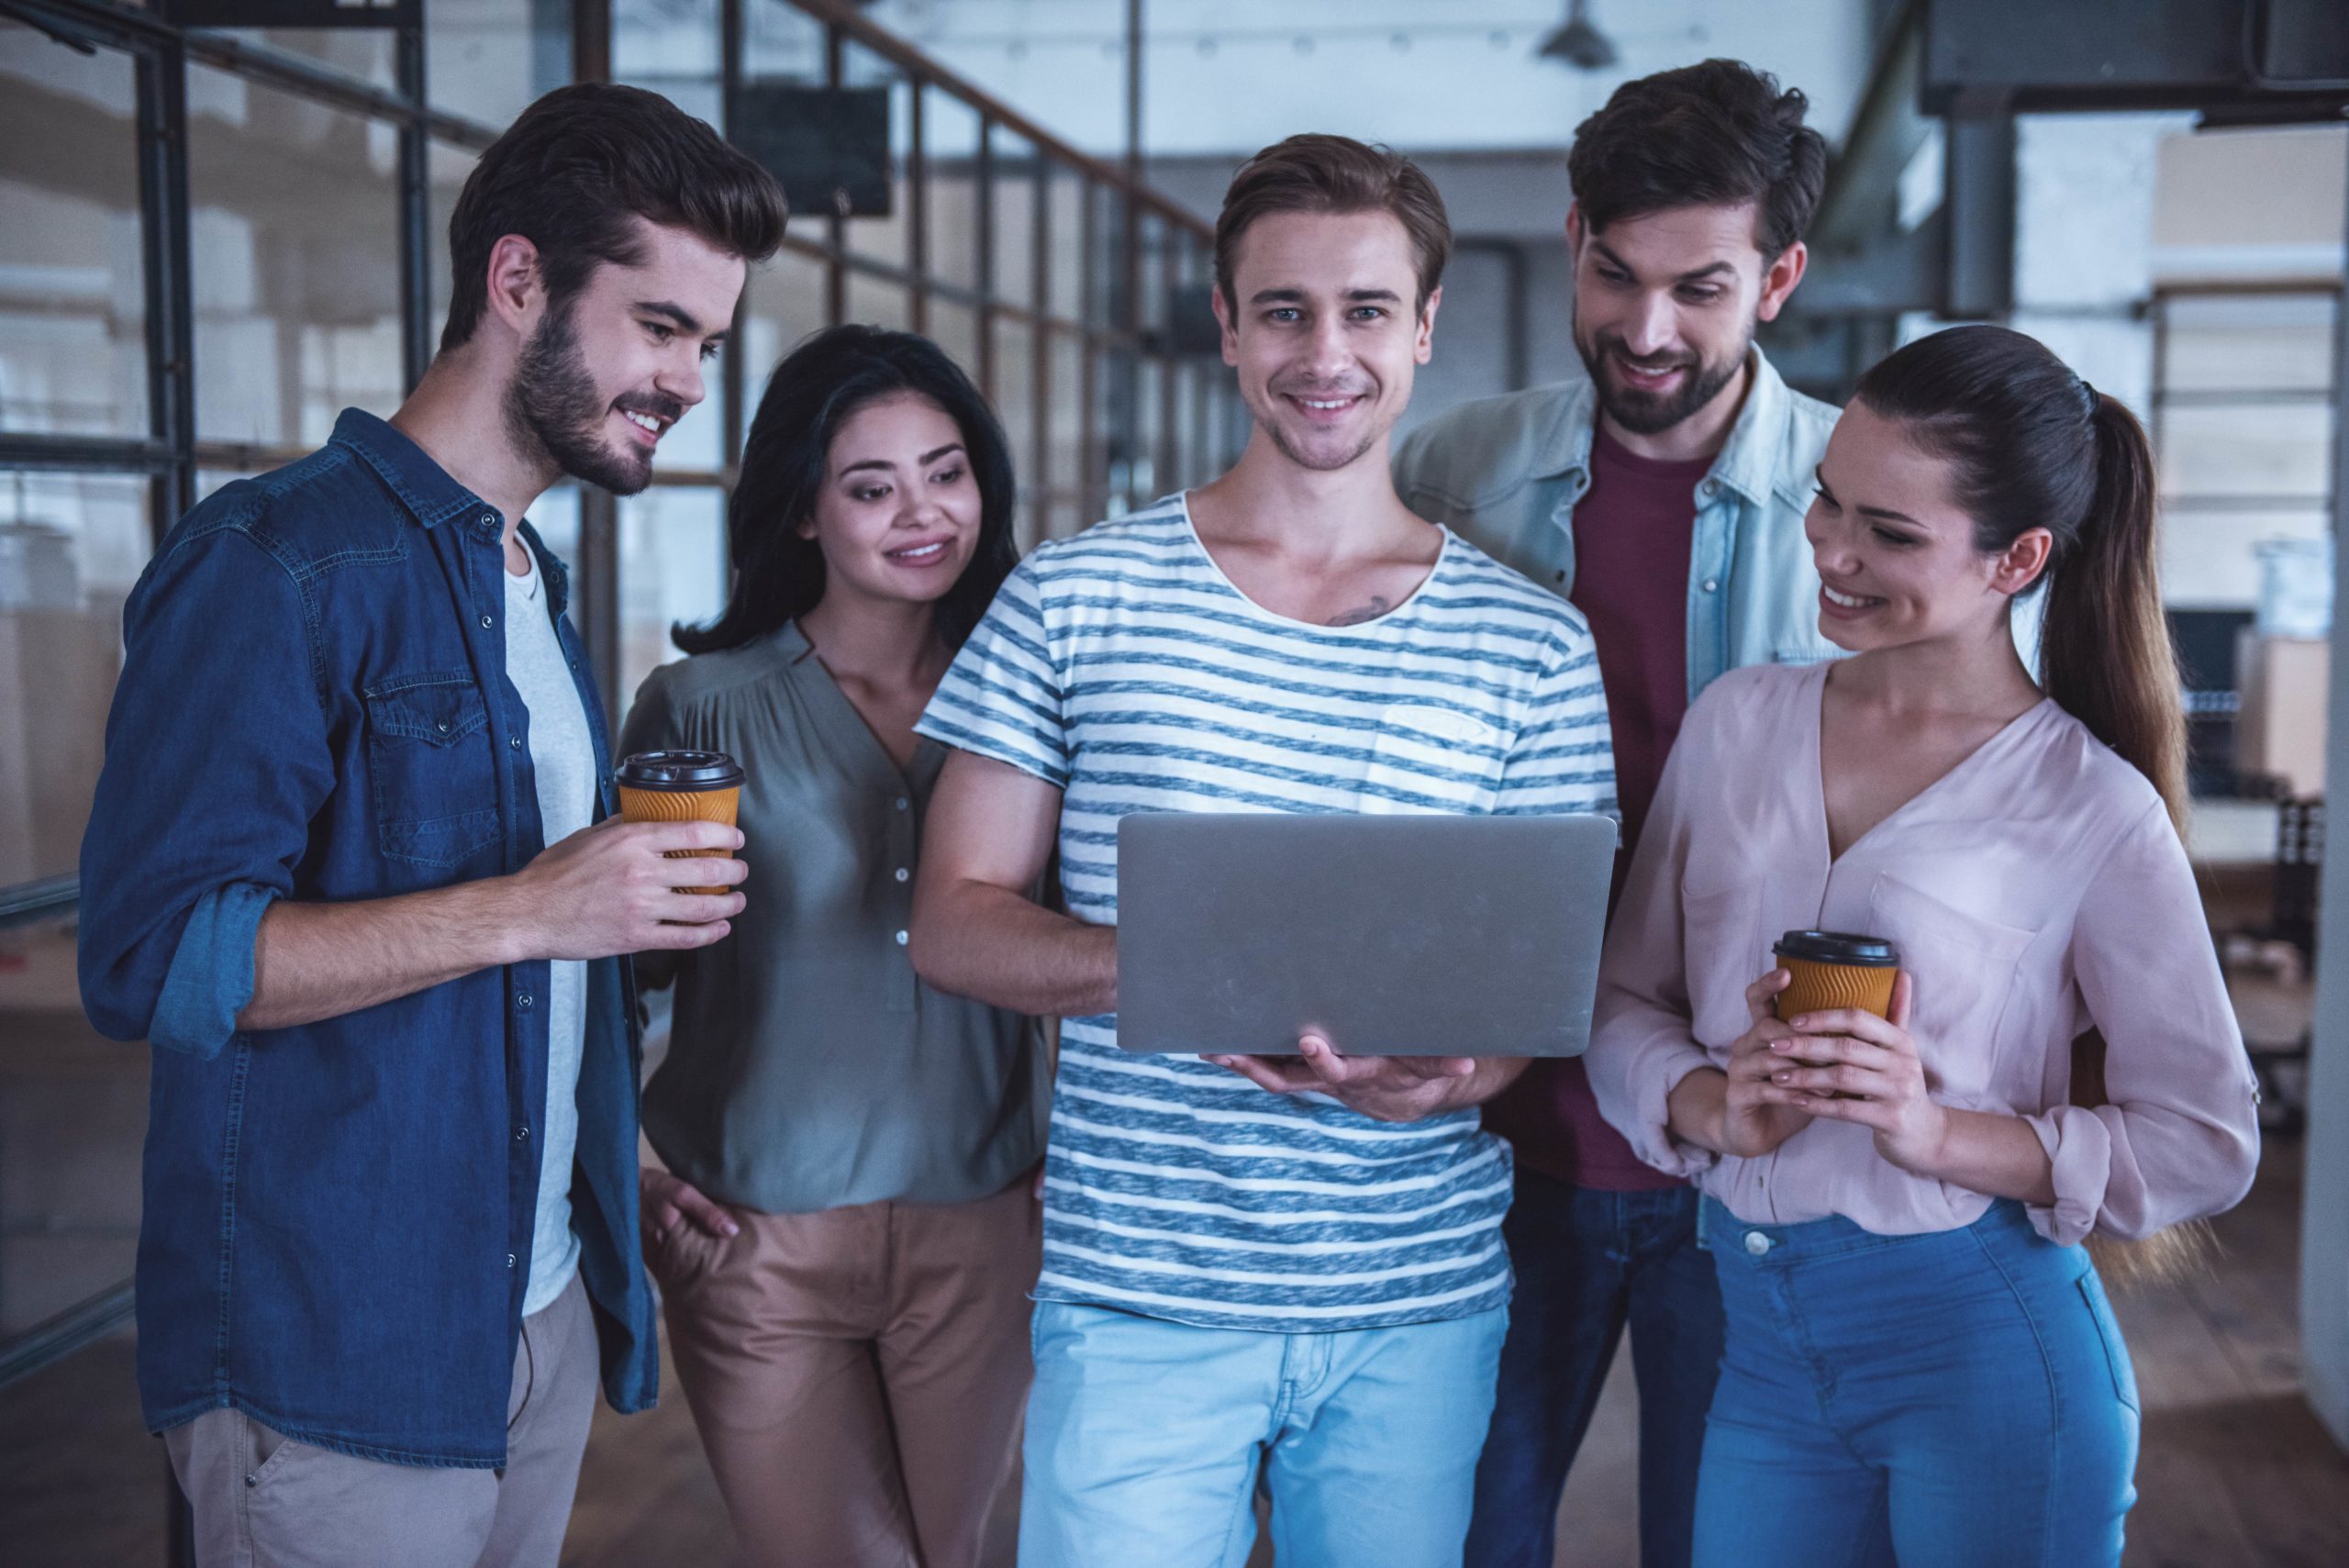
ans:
x=1145 y=1440
x=1588 y=1263
x=1945 y=1400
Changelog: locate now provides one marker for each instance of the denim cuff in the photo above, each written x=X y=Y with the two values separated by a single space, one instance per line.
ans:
x=211 y=977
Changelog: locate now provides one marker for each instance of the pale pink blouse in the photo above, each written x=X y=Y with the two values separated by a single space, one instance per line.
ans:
x=2035 y=889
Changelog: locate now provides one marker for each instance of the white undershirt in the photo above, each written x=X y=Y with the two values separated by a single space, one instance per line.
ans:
x=562 y=756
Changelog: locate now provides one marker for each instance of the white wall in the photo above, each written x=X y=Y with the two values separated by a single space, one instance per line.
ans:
x=1226 y=75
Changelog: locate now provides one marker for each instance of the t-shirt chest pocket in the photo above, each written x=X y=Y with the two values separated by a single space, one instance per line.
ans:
x=433 y=776
x=1427 y=759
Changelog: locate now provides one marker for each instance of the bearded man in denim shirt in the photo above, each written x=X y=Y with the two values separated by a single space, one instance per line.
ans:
x=353 y=868
x=1664 y=495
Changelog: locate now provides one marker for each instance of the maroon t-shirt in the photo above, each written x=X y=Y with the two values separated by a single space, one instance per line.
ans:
x=1634 y=530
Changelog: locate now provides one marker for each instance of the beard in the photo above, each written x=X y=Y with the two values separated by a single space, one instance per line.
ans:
x=555 y=413
x=1648 y=413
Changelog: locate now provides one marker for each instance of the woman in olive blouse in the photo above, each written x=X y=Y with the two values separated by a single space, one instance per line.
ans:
x=845 y=1234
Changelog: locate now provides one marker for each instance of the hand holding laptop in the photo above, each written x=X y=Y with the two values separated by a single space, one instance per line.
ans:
x=1383 y=1088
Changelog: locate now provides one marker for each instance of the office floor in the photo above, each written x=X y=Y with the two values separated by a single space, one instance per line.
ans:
x=2236 y=1472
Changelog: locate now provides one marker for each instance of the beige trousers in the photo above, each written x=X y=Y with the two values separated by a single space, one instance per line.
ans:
x=856 y=1374
x=264 y=1500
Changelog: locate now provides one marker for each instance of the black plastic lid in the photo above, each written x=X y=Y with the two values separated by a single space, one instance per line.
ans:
x=1840 y=947
x=685 y=771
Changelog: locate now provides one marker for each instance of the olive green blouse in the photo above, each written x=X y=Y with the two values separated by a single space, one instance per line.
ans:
x=809 y=1068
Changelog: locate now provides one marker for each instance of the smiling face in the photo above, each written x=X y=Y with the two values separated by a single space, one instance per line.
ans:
x=1665 y=304
x=1322 y=329
x=1896 y=555
x=601 y=378
x=898 y=515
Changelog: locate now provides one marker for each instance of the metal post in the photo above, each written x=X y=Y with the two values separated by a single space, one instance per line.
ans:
x=732 y=368
x=163 y=241
x=598 y=601
x=983 y=239
x=2324 y=1298
x=836 y=222
x=415 y=218
x=918 y=212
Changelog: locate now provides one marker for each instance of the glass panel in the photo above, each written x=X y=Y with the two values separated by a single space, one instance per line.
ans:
x=72 y=313
x=71 y=548
x=2248 y=343
x=781 y=42
x=487 y=60
x=1065 y=475
x=784 y=303
x=671 y=47
x=449 y=167
x=1156 y=271
x=2280 y=450
x=1113 y=426
x=1146 y=482
x=1015 y=404
x=672 y=569
x=556 y=516
x=359 y=53
x=2210 y=559
x=1107 y=250
x=950 y=155
x=878 y=303
x=1014 y=176
x=884 y=237
x=1068 y=240
x=955 y=329
x=1190 y=416
x=295 y=240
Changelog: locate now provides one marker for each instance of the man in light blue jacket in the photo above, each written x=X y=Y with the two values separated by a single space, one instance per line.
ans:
x=1664 y=497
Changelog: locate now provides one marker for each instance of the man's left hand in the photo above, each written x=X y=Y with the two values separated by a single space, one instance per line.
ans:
x=1384 y=1088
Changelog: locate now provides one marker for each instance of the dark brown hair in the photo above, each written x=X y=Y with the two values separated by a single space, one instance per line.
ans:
x=1334 y=174
x=573 y=173
x=819 y=385
x=2031 y=445
x=1719 y=133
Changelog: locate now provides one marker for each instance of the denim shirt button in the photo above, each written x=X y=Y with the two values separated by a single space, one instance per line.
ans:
x=1712 y=487
x=521 y=1135
x=515 y=741
x=510 y=1260
x=1756 y=1243
x=488 y=621
x=1712 y=584
x=523 y=1001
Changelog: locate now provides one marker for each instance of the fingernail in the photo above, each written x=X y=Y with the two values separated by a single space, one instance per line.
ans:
x=1782 y=1046
x=1782 y=1077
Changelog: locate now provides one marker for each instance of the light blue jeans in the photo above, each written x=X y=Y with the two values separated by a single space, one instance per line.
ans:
x=1958 y=1399
x=1145 y=1439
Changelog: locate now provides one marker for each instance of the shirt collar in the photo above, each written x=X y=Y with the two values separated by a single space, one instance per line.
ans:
x=423 y=486
x=1748 y=461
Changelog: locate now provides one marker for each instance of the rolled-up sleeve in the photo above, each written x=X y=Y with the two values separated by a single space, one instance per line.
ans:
x=216 y=760
x=1640 y=1042
x=2180 y=1137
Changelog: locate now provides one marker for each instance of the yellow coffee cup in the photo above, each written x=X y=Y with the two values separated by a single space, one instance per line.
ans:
x=681 y=786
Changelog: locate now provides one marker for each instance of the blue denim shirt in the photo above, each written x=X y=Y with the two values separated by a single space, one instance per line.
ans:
x=1504 y=473
x=337 y=1217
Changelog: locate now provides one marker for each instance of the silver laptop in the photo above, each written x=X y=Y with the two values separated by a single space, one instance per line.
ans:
x=1391 y=935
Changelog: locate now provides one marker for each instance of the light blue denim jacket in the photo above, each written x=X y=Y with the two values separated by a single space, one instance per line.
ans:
x=1505 y=472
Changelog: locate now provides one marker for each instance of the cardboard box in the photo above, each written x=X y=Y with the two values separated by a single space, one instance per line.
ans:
x=2280 y=730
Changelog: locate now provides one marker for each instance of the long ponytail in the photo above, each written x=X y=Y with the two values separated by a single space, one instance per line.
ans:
x=2105 y=648
x=2031 y=445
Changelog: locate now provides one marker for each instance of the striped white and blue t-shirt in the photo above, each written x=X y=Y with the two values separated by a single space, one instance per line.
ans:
x=1123 y=667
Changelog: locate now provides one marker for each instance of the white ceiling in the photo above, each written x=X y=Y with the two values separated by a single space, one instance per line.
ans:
x=1226 y=76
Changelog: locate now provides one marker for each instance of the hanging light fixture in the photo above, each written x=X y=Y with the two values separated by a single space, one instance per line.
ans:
x=1577 y=42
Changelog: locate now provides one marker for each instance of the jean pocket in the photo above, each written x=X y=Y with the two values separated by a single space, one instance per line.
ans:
x=2107 y=1332
x=434 y=776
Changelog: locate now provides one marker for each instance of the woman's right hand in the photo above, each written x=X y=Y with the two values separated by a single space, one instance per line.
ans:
x=1754 y=1120
x=665 y=1199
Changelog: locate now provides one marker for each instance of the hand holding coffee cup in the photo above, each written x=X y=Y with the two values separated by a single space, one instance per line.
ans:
x=1836 y=969
x=681 y=786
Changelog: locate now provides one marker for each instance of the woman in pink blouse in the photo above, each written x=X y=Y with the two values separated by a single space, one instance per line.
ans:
x=1920 y=1365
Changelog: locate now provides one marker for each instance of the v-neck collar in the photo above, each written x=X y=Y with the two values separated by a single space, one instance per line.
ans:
x=800 y=654
x=1815 y=705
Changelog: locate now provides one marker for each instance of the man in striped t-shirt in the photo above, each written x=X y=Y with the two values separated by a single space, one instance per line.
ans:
x=1309 y=1280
